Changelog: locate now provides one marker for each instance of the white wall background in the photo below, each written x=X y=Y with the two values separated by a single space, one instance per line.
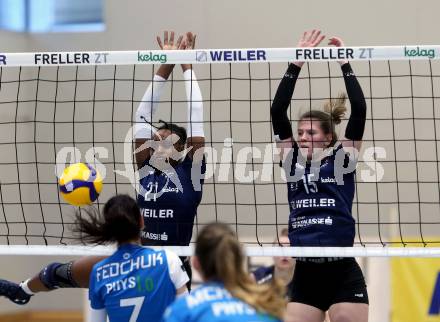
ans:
x=246 y=23
x=230 y=24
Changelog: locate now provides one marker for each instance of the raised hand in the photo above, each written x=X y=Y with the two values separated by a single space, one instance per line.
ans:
x=189 y=44
x=337 y=42
x=168 y=41
x=190 y=40
x=168 y=44
x=309 y=39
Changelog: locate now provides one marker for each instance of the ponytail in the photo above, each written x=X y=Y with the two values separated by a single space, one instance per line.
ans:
x=221 y=258
x=119 y=222
x=336 y=108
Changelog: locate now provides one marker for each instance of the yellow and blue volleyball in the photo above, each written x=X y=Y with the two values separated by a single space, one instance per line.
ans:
x=80 y=184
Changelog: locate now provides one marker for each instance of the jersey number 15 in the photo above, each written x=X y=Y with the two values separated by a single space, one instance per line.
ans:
x=309 y=184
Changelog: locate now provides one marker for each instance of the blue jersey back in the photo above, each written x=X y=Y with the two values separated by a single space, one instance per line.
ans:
x=134 y=284
x=212 y=302
x=320 y=208
x=168 y=211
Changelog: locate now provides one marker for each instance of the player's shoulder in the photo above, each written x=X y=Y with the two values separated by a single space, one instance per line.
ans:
x=102 y=262
x=188 y=163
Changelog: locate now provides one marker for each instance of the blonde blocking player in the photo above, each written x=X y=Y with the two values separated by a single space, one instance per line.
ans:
x=321 y=203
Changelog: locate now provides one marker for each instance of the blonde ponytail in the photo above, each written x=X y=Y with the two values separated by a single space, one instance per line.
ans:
x=336 y=108
x=221 y=258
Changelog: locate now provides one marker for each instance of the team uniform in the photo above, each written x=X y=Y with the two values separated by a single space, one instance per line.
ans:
x=168 y=199
x=320 y=208
x=213 y=302
x=168 y=209
x=169 y=206
x=321 y=215
x=136 y=282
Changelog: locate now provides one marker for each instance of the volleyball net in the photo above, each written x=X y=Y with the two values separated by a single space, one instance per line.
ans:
x=62 y=108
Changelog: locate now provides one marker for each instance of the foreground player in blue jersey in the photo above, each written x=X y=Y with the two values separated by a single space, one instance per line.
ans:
x=135 y=281
x=320 y=193
x=170 y=185
x=228 y=292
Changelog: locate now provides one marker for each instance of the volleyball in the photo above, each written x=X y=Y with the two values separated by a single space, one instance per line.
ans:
x=80 y=184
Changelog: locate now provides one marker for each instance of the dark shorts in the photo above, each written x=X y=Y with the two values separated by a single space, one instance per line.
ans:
x=323 y=284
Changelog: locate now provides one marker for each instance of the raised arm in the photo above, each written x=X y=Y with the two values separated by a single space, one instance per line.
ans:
x=143 y=130
x=196 y=135
x=280 y=121
x=356 y=122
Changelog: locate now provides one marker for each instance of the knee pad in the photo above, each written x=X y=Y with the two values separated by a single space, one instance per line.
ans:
x=57 y=275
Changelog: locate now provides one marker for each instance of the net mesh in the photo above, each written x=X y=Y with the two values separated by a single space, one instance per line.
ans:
x=69 y=114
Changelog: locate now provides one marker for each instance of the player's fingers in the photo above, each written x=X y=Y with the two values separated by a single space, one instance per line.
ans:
x=165 y=37
x=179 y=42
x=316 y=36
x=318 y=41
x=172 y=38
x=194 y=42
x=159 y=42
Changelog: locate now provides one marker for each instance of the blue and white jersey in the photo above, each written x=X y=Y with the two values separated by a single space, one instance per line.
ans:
x=320 y=203
x=169 y=210
x=212 y=302
x=136 y=283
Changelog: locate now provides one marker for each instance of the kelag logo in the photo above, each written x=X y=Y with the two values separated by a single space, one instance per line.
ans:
x=146 y=57
x=2 y=59
x=417 y=52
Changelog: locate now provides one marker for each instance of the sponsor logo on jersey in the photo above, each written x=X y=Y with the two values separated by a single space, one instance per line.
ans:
x=328 y=180
x=154 y=236
x=170 y=189
x=157 y=213
x=141 y=283
x=301 y=222
x=313 y=203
